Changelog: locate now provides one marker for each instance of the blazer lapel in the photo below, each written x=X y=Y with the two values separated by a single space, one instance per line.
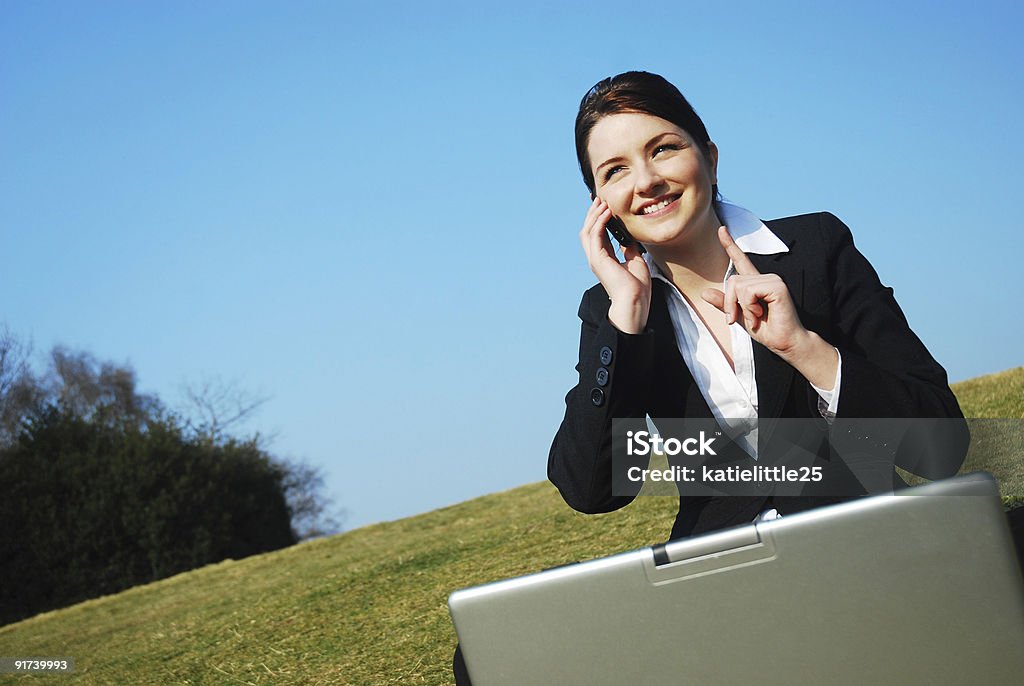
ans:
x=773 y=375
x=675 y=392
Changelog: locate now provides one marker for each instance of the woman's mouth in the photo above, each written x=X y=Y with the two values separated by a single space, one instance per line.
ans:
x=662 y=206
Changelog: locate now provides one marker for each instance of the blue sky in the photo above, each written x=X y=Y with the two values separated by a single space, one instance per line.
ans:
x=368 y=211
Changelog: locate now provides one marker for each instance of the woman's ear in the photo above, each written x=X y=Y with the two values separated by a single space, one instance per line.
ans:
x=713 y=161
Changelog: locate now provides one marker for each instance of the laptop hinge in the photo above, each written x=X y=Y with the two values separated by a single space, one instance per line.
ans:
x=708 y=544
x=709 y=553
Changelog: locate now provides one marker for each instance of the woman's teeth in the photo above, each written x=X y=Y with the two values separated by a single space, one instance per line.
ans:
x=654 y=208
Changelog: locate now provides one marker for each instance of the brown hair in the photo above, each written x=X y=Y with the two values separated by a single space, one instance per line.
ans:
x=635 y=91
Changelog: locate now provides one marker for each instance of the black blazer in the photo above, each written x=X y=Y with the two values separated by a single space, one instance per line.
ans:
x=886 y=372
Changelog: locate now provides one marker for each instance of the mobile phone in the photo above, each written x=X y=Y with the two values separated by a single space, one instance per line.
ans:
x=618 y=231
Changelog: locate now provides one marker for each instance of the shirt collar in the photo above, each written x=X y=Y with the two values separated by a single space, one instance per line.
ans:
x=750 y=233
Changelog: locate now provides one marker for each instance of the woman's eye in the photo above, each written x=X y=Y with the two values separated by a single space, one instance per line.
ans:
x=665 y=146
x=611 y=172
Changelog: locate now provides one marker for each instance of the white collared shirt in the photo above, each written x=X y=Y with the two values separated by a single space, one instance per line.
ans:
x=731 y=393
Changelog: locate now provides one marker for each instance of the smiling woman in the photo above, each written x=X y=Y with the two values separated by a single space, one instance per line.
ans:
x=653 y=170
x=725 y=317
x=713 y=314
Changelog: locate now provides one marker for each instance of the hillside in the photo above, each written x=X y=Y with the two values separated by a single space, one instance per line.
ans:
x=996 y=405
x=994 y=395
x=367 y=606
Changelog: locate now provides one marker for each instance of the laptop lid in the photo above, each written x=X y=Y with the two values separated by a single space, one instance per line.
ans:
x=886 y=589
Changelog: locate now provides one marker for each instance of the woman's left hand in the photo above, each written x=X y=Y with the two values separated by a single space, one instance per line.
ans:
x=763 y=304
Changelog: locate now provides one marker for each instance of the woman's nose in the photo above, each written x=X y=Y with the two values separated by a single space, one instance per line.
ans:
x=647 y=179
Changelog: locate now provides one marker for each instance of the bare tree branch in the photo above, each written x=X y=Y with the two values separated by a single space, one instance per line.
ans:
x=213 y=407
x=19 y=389
x=311 y=509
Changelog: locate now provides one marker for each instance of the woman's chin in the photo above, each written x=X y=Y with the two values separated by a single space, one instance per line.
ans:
x=672 y=234
x=659 y=237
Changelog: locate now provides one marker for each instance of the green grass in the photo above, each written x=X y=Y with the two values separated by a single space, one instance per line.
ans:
x=994 y=395
x=994 y=405
x=364 y=607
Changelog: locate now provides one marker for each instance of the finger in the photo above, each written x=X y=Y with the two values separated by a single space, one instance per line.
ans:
x=598 y=230
x=636 y=264
x=599 y=245
x=748 y=296
x=593 y=213
x=729 y=304
x=752 y=319
x=739 y=258
x=715 y=297
x=593 y=236
x=749 y=305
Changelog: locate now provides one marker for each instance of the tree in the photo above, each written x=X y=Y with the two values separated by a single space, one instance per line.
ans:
x=309 y=507
x=73 y=380
x=93 y=507
x=79 y=383
x=102 y=488
x=19 y=389
x=215 y=408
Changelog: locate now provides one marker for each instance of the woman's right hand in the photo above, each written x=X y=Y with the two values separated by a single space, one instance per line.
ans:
x=627 y=283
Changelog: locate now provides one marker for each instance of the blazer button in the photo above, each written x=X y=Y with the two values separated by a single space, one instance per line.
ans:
x=597 y=396
x=606 y=355
x=602 y=376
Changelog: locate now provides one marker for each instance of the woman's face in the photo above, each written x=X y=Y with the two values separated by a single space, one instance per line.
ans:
x=653 y=177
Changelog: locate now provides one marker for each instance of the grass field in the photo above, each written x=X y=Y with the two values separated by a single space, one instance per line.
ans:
x=367 y=606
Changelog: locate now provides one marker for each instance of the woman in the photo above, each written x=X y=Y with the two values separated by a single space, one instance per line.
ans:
x=801 y=328
x=725 y=316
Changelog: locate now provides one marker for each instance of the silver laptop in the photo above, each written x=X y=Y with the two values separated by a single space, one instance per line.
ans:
x=884 y=590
